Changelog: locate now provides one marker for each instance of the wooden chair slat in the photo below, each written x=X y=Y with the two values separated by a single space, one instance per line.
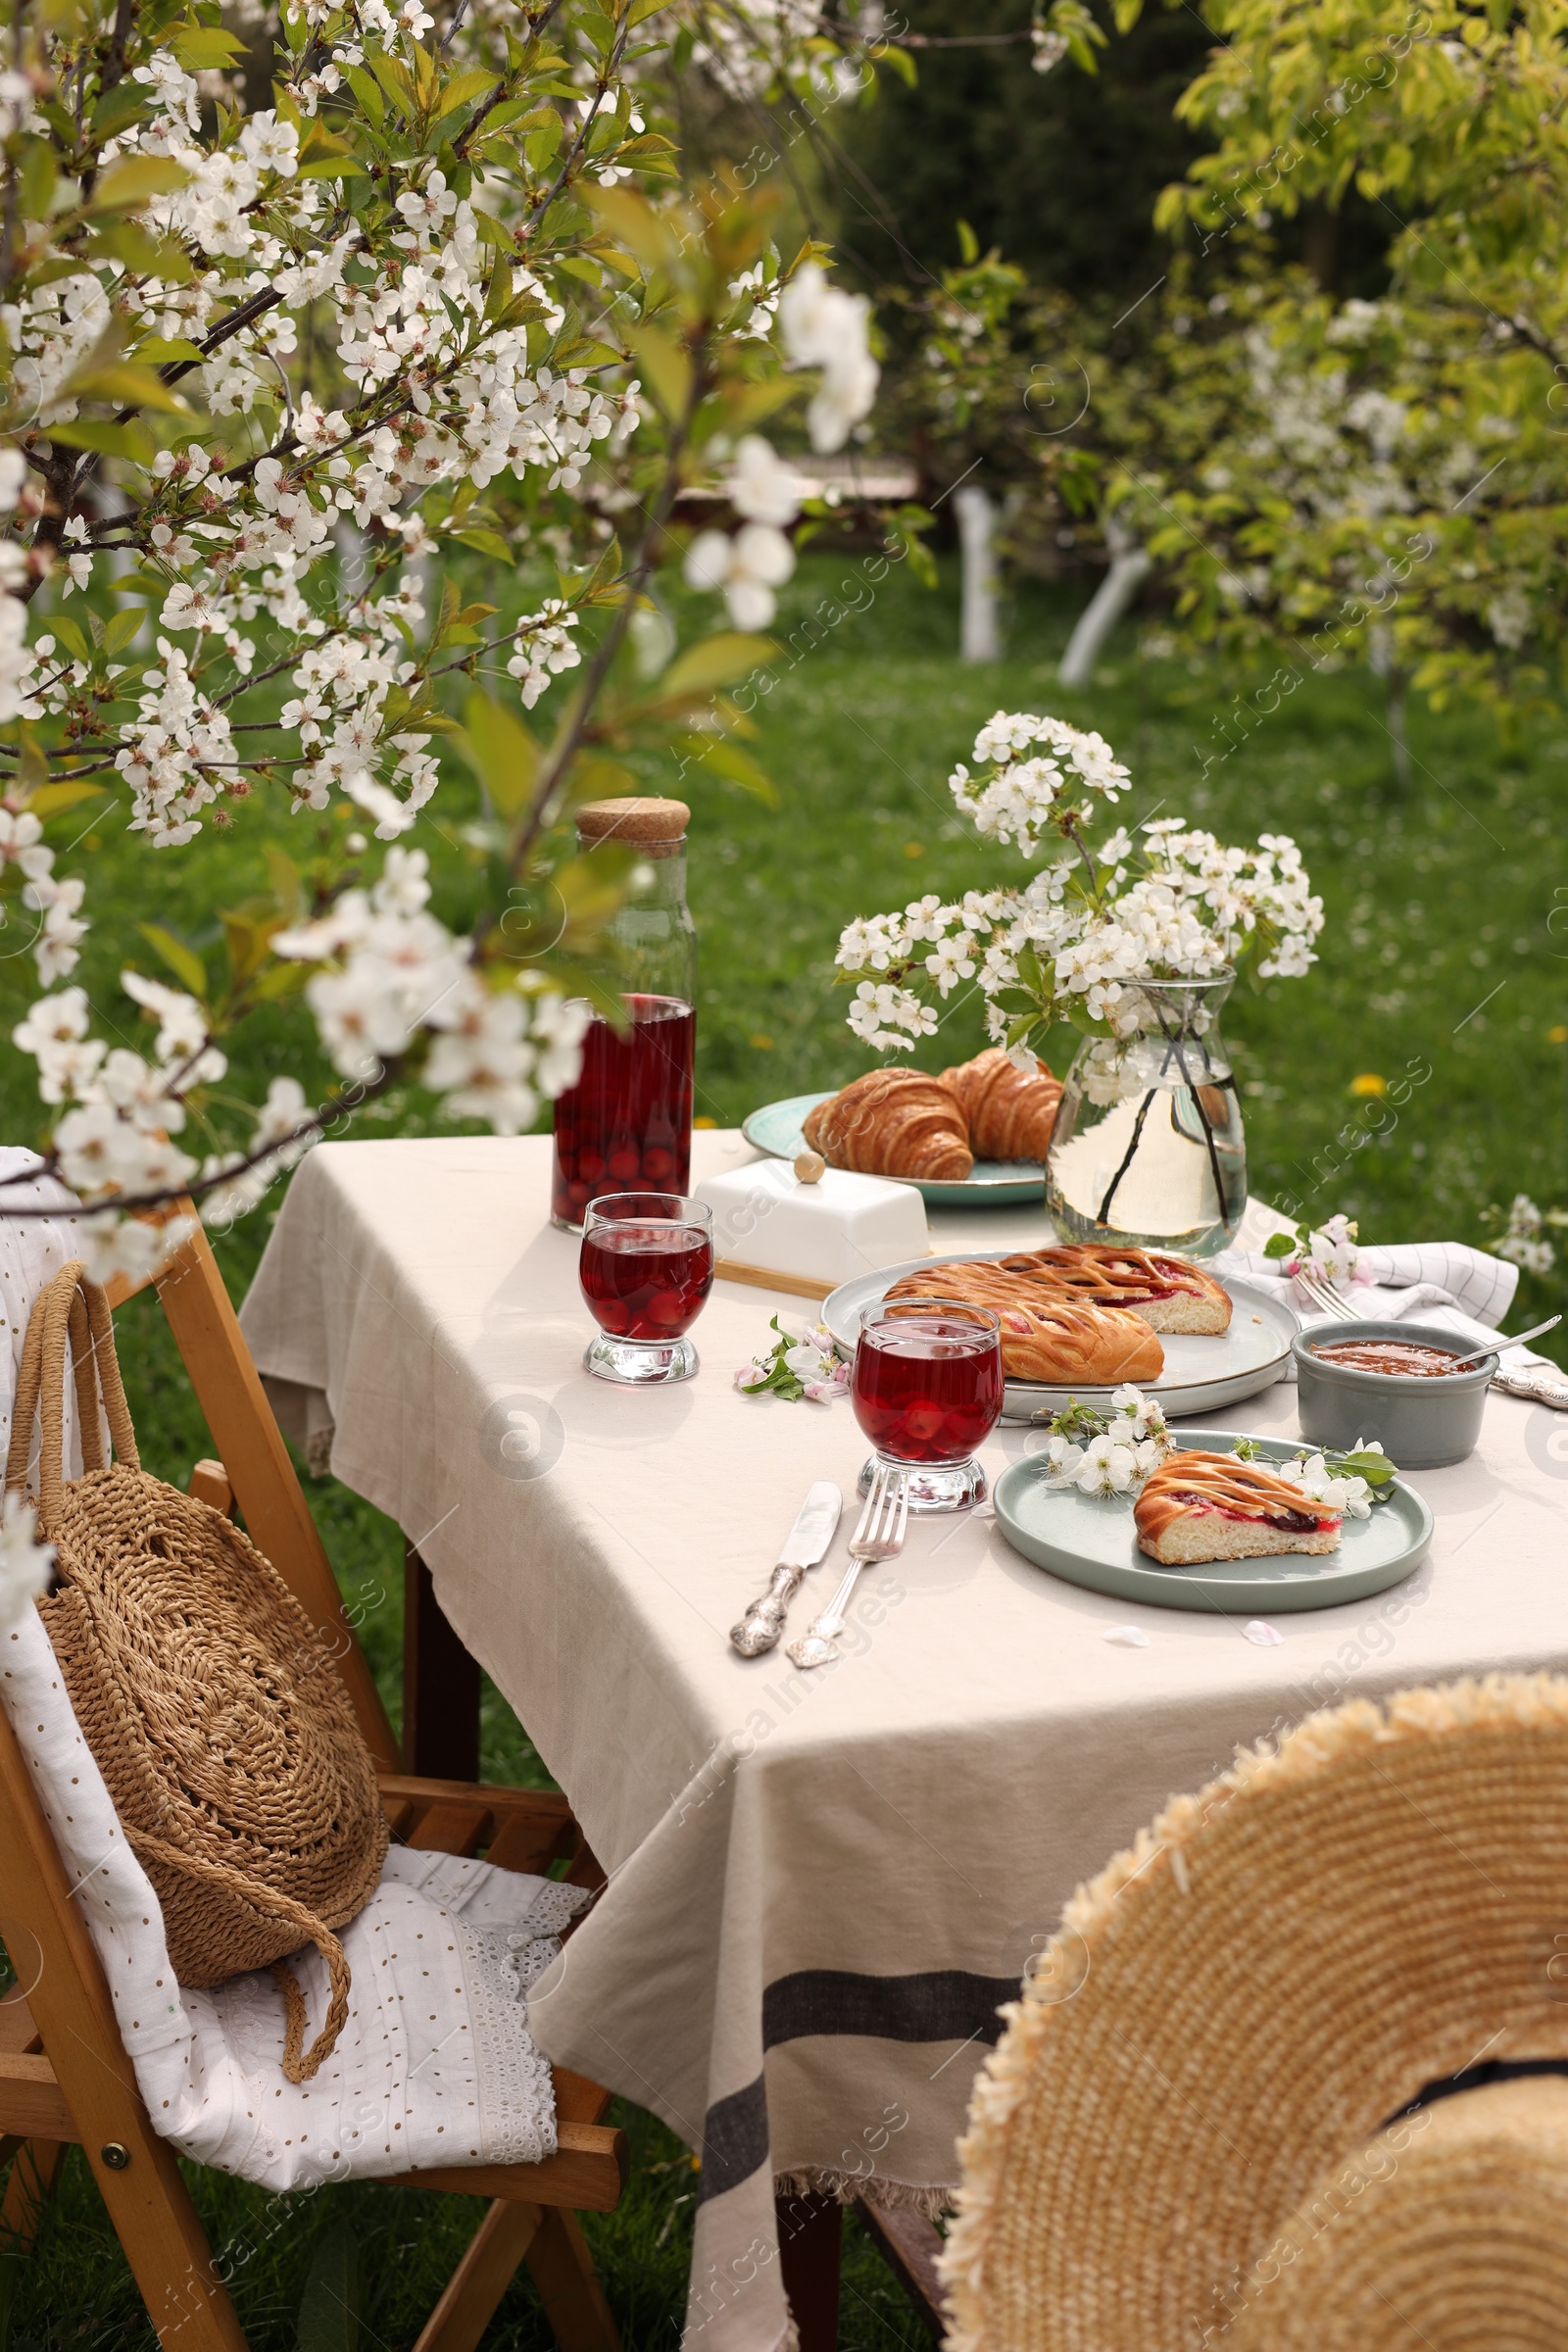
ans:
x=910 y=2244
x=27 y=2192
x=208 y=1483
x=577 y=2099
x=588 y=2170
x=561 y=2267
x=448 y=1829
x=250 y=1444
x=149 y=2204
x=400 y=1819
x=480 y=2278
x=542 y=1803
x=32 y=2101
x=18 y=2030
x=523 y=1842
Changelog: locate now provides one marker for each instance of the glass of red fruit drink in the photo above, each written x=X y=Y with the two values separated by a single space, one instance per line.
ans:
x=646 y=1268
x=927 y=1390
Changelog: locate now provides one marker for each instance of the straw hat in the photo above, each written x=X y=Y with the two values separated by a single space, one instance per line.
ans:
x=1276 y=1967
x=1448 y=2231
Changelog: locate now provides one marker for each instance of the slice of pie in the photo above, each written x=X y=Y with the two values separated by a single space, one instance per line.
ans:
x=1166 y=1292
x=1210 y=1506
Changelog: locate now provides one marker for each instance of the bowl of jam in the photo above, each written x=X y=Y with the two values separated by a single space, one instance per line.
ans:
x=1395 y=1383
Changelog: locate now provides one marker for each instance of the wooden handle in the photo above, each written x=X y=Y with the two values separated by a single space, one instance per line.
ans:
x=797 y=1286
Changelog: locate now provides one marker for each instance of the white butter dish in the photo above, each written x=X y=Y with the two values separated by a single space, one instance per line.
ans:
x=764 y=1218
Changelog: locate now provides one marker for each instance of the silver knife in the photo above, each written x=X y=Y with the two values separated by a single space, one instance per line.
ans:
x=815 y=1523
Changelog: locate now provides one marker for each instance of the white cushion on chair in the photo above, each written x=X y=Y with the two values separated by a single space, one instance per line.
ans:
x=434 y=2065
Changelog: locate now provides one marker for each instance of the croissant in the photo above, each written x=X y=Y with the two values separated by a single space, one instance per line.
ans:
x=1067 y=1345
x=1010 y=1115
x=1210 y=1507
x=892 y=1123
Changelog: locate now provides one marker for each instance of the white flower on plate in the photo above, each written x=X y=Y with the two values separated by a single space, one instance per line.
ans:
x=1106 y=1468
x=1334 y=1248
x=1317 y=1482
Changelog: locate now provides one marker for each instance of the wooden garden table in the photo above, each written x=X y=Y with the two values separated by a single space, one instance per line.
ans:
x=821 y=1886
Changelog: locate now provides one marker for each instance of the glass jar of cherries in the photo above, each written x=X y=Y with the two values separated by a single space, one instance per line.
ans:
x=626 y=1125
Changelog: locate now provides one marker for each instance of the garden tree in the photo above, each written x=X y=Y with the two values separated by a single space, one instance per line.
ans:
x=1058 y=170
x=257 y=364
x=986 y=390
x=1393 y=473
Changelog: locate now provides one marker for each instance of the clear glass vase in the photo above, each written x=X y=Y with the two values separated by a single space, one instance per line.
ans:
x=1148 y=1147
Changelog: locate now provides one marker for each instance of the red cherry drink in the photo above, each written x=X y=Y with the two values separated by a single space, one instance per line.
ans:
x=646 y=1282
x=927 y=1391
x=627 y=1122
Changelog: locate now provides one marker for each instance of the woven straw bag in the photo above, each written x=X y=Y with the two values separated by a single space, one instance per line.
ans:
x=211 y=1705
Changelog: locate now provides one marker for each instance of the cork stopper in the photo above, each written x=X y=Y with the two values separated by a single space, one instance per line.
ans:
x=656 y=827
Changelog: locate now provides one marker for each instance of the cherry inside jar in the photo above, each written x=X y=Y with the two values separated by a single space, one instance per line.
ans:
x=627 y=1122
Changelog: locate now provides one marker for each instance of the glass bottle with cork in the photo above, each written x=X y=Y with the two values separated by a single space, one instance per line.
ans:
x=626 y=1125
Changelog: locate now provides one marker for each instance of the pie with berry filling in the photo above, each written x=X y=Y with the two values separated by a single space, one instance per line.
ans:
x=1166 y=1292
x=1210 y=1507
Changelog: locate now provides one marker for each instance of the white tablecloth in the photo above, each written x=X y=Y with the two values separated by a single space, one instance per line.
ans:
x=823 y=1885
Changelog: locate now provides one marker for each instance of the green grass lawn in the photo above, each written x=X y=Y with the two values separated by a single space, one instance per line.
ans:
x=1440 y=952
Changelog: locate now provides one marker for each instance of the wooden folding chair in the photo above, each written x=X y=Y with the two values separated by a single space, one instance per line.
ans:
x=64 y=2072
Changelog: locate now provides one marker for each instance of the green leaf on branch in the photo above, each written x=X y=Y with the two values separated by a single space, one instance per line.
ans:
x=53 y=800
x=162 y=351
x=133 y=441
x=185 y=962
x=486 y=543
x=146 y=256
x=502 y=753
x=120 y=106
x=365 y=90
x=71 y=637
x=37 y=179
x=395 y=80
x=713 y=662
x=205 y=48
x=129 y=385
x=635 y=225
x=726 y=758
x=248 y=937
x=667 y=366
x=120 y=631
x=464 y=90
x=129 y=184
x=284 y=877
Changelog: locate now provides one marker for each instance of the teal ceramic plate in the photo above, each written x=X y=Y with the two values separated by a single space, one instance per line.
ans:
x=1204 y=1373
x=993 y=1183
x=1093 y=1543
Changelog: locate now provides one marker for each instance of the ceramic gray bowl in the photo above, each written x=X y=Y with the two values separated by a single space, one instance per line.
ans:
x=1420 y=1424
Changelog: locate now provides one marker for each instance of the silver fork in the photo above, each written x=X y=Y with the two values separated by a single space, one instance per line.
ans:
x=878 y=1537
x=1321 y=1289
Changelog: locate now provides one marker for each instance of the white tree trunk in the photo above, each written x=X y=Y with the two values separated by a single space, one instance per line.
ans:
x=1129 y=569
x=977 y=521
x=1384 y=666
